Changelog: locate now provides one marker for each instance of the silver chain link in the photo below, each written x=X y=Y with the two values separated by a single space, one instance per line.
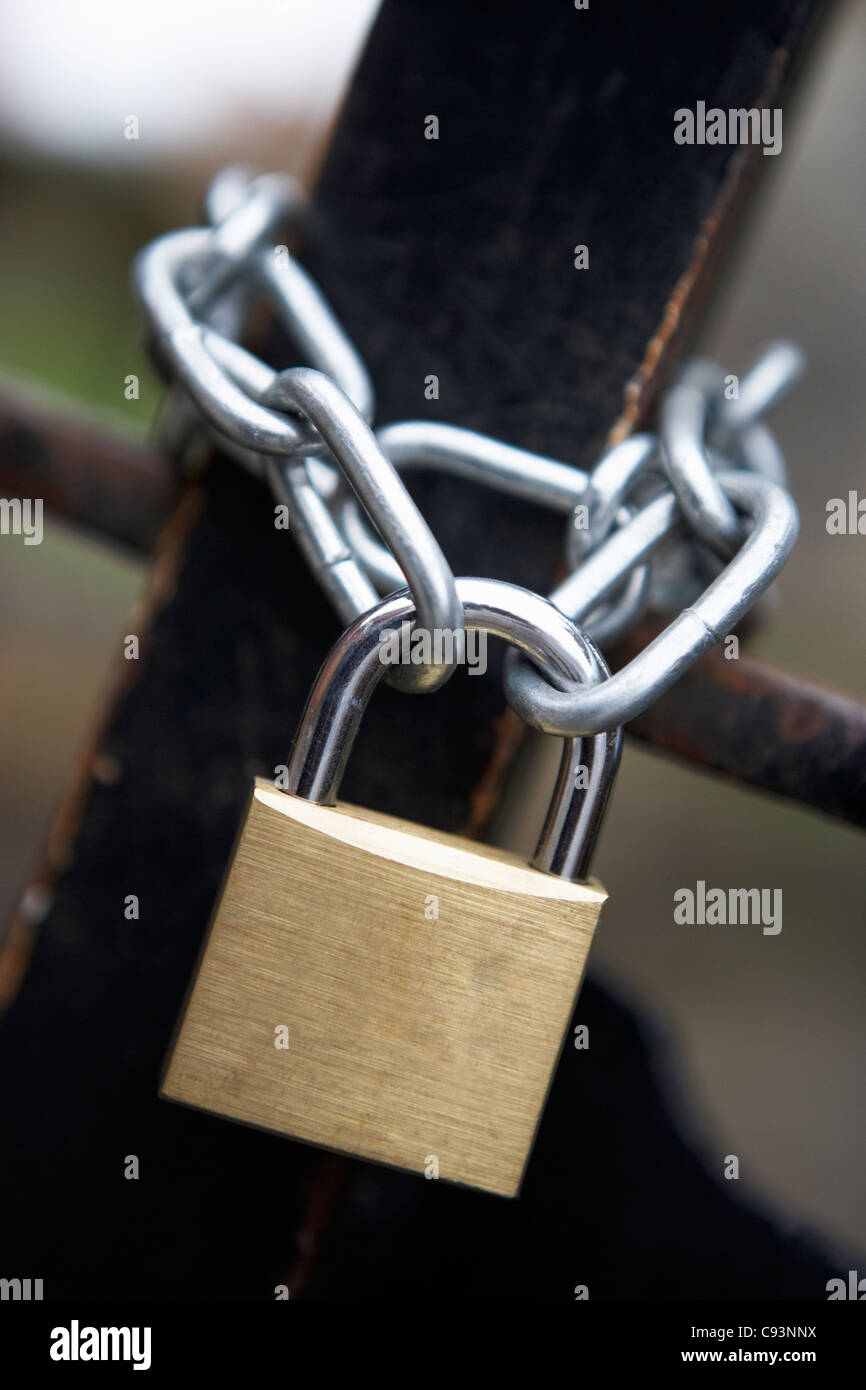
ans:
x=655 y=518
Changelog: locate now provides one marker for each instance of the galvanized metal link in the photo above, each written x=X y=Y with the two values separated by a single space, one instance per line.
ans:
x=463 y=454
x=488 y=462
x=227 y=383
x=695 y=630
x=653 y=514
x=377 y=483
x=696 y=414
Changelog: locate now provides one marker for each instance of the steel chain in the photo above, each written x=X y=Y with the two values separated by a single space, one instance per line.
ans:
x=713 y=477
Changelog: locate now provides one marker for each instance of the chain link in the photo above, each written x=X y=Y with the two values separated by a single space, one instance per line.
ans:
x=709 y=488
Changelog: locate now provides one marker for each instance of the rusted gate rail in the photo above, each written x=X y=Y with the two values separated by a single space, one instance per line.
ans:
x=758 y=725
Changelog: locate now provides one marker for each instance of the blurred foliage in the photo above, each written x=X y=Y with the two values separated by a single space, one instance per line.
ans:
x=69 y=318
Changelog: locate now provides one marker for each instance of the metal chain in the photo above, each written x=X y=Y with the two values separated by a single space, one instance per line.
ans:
x=712 y=480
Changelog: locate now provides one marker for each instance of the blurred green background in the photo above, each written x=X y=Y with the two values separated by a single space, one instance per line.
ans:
x=771 y=1031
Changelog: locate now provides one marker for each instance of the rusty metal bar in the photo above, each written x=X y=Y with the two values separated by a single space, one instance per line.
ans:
x=765 y=728
x=757 y=725
x=85 y=473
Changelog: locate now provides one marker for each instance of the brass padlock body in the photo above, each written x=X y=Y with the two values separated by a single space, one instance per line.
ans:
x=383 y=990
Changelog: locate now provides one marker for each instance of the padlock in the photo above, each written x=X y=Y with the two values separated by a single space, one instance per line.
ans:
x=385 y=990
